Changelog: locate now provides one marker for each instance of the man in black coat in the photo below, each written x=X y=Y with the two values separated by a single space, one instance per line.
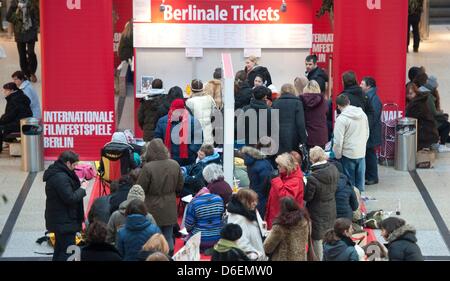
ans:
x=17 y=107
x=356 y=95
x=252 y=117
x=292 y=120
x=369 y=86
x=24 y=15
x=314 y=72
x=64 y=212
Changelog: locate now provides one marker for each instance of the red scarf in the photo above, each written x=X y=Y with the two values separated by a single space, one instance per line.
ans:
x=178 y=104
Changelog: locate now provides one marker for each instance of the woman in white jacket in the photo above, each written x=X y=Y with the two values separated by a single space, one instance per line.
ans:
x=202 y=106
x=242 y=211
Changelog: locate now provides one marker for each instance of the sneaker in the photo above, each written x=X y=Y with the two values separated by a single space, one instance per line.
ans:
x=443 y=148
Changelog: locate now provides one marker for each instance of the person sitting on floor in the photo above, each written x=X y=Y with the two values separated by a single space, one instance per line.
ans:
x=97 y=249
x=204 y=214
x=215 y=178
x=193 y=177
x=227 y=248
x=338 y=244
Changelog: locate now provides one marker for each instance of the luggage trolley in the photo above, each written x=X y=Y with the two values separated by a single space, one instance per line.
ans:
x=386 y=154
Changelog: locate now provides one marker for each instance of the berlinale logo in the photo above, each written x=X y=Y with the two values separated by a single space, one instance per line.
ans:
x=74 y=4
x=374 y=4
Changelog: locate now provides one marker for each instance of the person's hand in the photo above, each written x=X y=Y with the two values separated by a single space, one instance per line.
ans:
x=84 y=184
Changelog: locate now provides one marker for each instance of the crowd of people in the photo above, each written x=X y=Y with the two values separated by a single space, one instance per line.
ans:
x=279 y=207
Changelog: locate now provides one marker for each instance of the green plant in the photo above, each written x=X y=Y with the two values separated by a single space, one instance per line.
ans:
x=327 y=7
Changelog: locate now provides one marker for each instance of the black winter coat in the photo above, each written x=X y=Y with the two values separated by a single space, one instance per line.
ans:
x=427 y=133
x=193 y=177
x=148 y=116
x=100 y=252
x=261 y=70
x=359 y=99
x=292 y=122
x=16 y=18
x=402 y=245
x=64 y=211
x=320 y=192
x=243 y=96
x=17 y=107
x=375 y=125
x=119 y=196
x=258 y=106
x=320 y=77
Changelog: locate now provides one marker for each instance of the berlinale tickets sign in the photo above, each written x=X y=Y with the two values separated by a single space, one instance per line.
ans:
x=223 y=24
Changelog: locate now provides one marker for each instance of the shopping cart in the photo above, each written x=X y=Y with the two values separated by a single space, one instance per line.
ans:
x=386 y=154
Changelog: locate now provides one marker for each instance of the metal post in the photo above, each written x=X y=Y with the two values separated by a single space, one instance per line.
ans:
x=228 y=120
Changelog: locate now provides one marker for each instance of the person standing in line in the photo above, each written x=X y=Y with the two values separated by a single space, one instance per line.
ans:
x=351 y=133
x=24 y=15
x=415 y=8
x=148 y=110
x=369 y=87
x=314 y=72
x=64 y=211
x=97 y=249
x=161 y=179
x=22 y=83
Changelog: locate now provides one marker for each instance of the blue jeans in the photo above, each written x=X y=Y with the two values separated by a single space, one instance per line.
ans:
x=355 y=170
x=371 y=165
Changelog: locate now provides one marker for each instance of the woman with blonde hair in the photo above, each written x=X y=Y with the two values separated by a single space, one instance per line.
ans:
x=288 y=182
x=242 y=211
x=156 y=243
x=252 y=69
x=316 y=109
x=300 y=84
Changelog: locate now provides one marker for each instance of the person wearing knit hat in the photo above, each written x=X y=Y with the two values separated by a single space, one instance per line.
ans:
x=227 y=249
x=183 y=147
x=202 y=105
x=117 y=219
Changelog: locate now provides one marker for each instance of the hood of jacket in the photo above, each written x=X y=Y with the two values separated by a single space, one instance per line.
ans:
x=58 y=167
x=253 y=153
x=123 y=207
x=336 y=249
x=210 y=158
x=154 y=92
x=137 y=222
x=327 y=175
x=258 y=104
x=236 y=207
x=312 y=100
x=353 y=112
x=224 y=246
x=215 y=82
x=406 y=232
x=157 y=151
x=25 y=84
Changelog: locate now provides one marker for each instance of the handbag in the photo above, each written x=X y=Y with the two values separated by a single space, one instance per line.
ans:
x=311 y=255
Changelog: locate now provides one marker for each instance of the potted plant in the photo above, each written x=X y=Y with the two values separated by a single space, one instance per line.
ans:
x=327 y=7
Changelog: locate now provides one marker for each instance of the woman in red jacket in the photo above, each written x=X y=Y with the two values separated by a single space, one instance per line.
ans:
x=289 y=182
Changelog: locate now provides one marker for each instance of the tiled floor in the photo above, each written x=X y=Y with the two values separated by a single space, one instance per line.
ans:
x=394 y=185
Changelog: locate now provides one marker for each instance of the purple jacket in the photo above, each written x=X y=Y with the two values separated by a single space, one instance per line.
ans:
x=316 y=109
x=221 y=188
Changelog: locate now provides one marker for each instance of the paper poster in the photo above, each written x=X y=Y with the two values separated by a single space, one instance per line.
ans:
x=190 y=251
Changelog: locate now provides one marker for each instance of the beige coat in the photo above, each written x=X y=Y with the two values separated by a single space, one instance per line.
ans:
x=287 y=244
x=161 y=179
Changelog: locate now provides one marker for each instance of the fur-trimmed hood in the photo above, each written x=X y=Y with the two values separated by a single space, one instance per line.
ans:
x=406 y=232
x=156 y=151
x=253 y=152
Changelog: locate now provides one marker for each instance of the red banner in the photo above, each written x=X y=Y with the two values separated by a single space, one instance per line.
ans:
x=370 y=40
x=232 y=12
x=323 y=37
x=122 y=13
x=77 y=76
